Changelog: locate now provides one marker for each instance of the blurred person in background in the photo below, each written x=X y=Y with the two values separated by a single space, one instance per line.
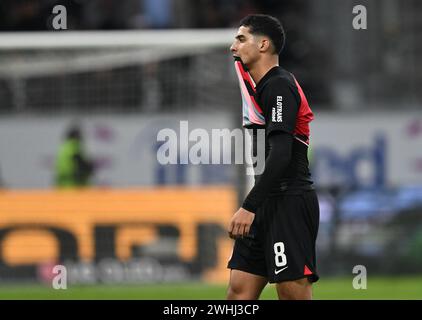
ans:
x=275 y=229
x=72 y=168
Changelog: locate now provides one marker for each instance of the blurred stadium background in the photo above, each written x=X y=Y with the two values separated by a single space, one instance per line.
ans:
x=126 y=69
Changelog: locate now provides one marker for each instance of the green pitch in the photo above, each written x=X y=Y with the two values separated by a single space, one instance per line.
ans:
x=328 y=288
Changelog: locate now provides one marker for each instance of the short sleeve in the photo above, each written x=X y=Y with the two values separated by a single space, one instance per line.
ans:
x=281 y=105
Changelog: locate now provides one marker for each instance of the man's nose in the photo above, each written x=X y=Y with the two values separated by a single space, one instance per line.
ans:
x=232 y=48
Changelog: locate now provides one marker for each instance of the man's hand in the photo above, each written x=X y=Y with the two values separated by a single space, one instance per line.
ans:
x=241 y=223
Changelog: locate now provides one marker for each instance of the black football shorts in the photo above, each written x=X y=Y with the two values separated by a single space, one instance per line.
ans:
x=281 y=241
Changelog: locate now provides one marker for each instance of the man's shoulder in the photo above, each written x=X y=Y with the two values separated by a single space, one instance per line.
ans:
x=281 y=83
x=281 y=79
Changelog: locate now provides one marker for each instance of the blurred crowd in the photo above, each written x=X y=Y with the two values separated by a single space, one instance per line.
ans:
x=37 y=15
x=322 y=49
x=31 y=15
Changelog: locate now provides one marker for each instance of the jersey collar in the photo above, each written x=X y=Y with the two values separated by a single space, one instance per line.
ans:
x=273 y=71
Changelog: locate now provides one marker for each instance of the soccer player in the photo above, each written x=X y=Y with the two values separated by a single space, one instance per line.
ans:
x=275 y=229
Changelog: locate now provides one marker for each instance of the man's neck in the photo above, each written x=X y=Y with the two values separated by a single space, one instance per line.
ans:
x=260 y=69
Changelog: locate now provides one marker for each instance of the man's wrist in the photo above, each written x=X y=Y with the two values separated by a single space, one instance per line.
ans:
x=249 y=206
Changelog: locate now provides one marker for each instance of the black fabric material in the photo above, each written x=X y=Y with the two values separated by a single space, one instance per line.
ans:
x=286 y=156
x=278 y=96
x=281 y=245
x=280 y=149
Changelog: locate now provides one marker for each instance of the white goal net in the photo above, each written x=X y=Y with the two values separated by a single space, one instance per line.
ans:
x=115 y=71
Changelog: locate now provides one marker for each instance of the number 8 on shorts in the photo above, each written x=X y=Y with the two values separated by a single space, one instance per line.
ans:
x=280 y=257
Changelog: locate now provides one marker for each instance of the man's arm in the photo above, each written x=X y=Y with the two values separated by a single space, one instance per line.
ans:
x=280 y=105
x=276 y=163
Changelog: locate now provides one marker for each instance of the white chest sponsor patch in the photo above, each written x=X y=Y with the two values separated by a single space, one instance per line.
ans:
x=277 y=112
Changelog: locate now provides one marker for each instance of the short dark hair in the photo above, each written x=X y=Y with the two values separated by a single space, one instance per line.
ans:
x=266 y=25
x=74 y=132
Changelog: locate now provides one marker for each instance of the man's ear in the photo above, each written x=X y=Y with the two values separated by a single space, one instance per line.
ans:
x=264 y=45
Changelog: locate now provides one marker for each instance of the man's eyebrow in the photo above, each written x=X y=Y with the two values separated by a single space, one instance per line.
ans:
x=240 y=37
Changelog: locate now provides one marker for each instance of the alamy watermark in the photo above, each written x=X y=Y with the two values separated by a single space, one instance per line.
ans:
x=59 y=20
x=202 y=147
x=360 y=280
x=360 y=21
x=60 y=279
